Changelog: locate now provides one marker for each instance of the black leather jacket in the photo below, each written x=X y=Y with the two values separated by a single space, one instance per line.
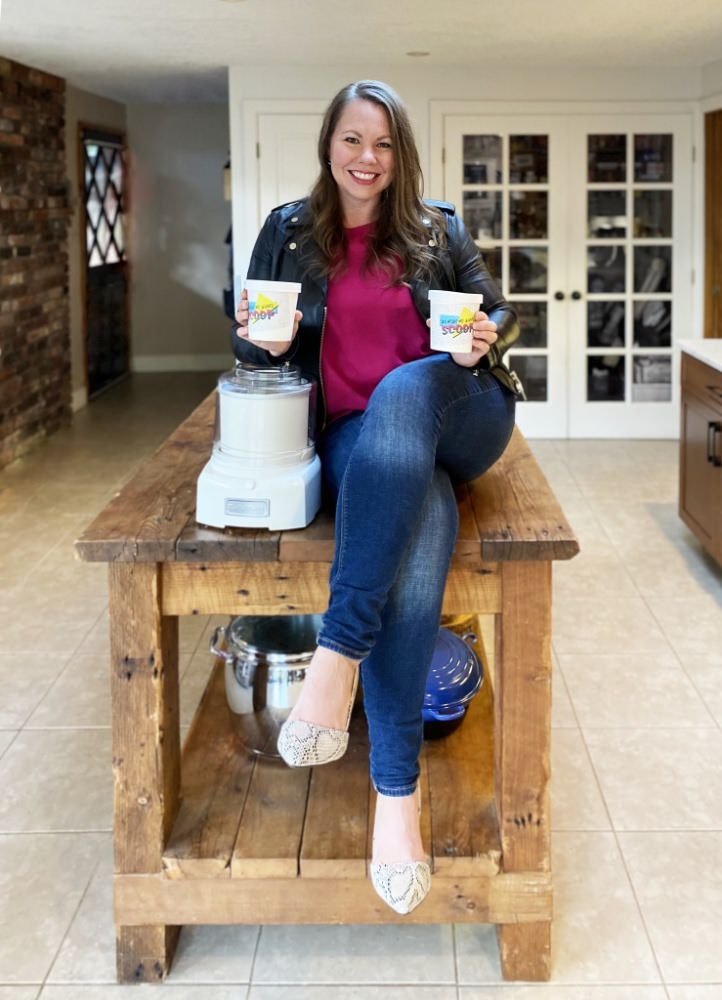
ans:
x=460 y=267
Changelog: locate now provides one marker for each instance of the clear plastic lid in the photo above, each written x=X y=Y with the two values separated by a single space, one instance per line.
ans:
x=258 y=380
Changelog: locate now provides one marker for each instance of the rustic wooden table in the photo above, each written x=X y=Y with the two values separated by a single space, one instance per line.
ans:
x=209 y=834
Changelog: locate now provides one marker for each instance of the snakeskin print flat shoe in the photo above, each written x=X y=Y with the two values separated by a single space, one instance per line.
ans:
x=305 y=744
x=402 y=884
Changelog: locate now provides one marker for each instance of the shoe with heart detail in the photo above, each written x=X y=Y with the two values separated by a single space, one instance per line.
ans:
x=306 y=744
x=402 y=884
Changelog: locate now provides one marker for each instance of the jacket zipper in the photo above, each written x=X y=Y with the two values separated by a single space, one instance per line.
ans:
x=320 y=369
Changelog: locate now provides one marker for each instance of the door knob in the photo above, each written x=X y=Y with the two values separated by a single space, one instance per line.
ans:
x=558 y=296
x=576 y=295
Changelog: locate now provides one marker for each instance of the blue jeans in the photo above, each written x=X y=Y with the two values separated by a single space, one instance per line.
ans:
x=428 y=424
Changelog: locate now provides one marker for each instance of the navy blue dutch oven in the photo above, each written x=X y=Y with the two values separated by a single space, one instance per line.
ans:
x=455 y=676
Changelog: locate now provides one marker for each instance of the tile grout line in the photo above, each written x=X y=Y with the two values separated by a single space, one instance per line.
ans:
x=70 y=924
x=715 y=722
x=616 y=838
x=253 y=961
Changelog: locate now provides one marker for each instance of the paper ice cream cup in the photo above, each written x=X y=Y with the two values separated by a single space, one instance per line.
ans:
x=452 y=315
x=271 y=309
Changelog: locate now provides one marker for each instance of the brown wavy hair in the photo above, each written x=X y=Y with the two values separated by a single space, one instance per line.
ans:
x=400 y=232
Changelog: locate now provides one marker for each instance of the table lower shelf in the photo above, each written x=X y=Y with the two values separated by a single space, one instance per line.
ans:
x=255 y=841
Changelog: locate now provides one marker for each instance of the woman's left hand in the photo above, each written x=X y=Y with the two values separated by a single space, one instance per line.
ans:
x=484 y=336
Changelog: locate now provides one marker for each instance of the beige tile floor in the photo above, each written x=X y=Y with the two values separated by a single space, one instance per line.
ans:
x=637 y=749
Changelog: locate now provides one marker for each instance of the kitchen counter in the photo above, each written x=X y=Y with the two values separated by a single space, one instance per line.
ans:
x=707 y=350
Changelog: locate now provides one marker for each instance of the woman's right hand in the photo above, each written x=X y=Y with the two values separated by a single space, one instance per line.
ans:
x=274 y=347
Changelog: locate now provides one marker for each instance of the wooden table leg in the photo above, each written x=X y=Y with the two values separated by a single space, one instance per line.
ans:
x=146 y=751
x=522 y=721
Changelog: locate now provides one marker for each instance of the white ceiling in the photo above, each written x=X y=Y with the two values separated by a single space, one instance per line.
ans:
x=179 y=50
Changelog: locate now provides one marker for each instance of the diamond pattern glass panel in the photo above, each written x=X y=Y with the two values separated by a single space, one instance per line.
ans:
x=103 y=174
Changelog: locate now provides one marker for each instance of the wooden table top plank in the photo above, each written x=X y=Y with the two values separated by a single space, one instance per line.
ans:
x=517 y=513
x=510 y=512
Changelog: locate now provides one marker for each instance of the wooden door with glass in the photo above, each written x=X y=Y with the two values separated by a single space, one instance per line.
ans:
x=105 y=276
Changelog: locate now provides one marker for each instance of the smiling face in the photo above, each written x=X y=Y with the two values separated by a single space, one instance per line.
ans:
x=362 y=160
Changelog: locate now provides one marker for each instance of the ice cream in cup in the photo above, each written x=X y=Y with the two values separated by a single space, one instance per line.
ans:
x=452 y=316
x=271 y=309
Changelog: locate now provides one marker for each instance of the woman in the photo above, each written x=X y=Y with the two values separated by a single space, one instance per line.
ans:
x=398 y=425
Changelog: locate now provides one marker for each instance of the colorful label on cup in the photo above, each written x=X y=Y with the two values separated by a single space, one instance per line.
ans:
x=262 y=308
x=454 y=324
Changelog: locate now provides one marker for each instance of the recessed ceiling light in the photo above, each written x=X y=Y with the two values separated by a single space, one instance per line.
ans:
x=416 y=55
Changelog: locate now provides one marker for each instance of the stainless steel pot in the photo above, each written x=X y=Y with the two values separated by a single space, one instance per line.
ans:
x=266 y=659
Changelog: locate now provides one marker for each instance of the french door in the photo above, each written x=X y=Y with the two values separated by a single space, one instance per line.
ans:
x=585 y=221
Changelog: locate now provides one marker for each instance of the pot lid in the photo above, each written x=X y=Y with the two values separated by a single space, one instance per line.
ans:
x=455 y=675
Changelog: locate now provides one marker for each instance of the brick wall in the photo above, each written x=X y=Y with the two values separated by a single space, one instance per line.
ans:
x=35 y=380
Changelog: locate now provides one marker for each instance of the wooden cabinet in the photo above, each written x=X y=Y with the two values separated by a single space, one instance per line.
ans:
x=700 y=485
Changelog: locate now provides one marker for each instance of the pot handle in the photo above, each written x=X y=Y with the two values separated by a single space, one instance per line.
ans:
x=449 y=716
x=471 y=638
x=218 y=632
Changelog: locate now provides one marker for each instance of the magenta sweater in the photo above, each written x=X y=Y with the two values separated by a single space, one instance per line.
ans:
x=370 y=330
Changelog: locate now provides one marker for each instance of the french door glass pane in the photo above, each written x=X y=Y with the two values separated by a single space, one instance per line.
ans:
x=652 y=269
x=606 y=214
x=606 y=269
x=607 y=159
x=528 y=215
x=605 y=324
x=528 y=159
x=483 y=159
x=532 y=370
x=652 y=158
x=533 y=324
x=482 y=214
x=652 y=378
x=653 y=323
x=652 y=214
x=606 y=377
x=528 y=268
x=493 y=260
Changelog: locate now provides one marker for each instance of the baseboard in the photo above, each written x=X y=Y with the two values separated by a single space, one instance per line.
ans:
x=182 y=362
x=79 y=399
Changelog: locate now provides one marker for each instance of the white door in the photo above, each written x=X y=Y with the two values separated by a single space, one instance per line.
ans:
x=287 y=159
x=586 y=223
x=630 y=272
x=506 y=176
